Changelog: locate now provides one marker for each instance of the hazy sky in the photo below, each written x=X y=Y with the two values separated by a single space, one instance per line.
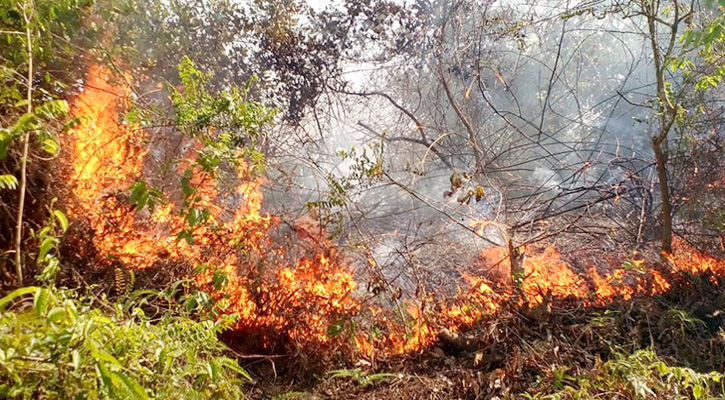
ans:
x=318 y=4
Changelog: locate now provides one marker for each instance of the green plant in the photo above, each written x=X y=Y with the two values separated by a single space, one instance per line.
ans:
x=641 y=375
x=226 y=128
x=144 y=196
x=61 y=345
x=685 y=321
x=227 y=123
x=366 y=168
x=561 y=377
x=48 y=240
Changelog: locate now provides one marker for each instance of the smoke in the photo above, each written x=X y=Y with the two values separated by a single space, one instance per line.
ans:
x=558 y=97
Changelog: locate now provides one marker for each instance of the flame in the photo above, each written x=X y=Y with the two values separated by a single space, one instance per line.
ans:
x=295 y=302
x=546 y=274
x=101 y=146
x=292 y=302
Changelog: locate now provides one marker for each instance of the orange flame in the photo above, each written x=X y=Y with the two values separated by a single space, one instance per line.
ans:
x=249 y=276
x=295 y=302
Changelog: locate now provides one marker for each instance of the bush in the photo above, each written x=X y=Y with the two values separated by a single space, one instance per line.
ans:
x=641 y=375
x=57 y=344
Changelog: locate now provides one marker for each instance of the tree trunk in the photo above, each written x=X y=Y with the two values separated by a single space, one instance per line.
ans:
x=661 y=159
x=516 y=258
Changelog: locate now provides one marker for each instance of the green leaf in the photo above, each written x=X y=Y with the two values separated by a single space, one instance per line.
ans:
x=40 y=302
x=5 y=138
x=137 y=190
x=213 y=369
x=56 y=314
x=62 y=219
x=76 y=357
x=219 y=278
x=8 y=181
x=52 y=109
x=51 y=269
x=46 y=245
x=15 y=294
x=26 y=122
x=132 y=386
x=232 y=364
x=104 y=356
x=336 y=327
x=51 y=146
x=105 y=376
x=44 y=232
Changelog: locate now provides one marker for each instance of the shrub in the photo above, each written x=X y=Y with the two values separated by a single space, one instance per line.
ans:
x=57 y=344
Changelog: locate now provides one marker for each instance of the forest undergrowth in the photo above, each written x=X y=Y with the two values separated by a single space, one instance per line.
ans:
x=61 y=343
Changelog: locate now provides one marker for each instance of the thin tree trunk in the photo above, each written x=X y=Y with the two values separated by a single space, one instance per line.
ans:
x=661 y=159
x=668 y=112
x=24 y=159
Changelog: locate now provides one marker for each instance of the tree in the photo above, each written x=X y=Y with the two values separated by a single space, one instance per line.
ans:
x=538 y=111
x=666 y=22
x=548 y=165
x=234 y=39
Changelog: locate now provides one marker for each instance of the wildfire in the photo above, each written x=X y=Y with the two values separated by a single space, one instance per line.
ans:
x=306 y=300
x=279 y=301
x=546 y=274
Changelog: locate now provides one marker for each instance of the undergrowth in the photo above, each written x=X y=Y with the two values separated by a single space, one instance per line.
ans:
x=58 y=344
x=640 y=375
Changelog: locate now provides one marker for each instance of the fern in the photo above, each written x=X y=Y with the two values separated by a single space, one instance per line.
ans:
x=8 y=182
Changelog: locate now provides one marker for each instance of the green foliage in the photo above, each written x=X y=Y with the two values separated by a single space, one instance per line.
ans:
x=227 y=129
x=228 y=124
x=48 y=239
x=62 y=345
x=366 y=168
x=642 y=374
x=59 y=30
x=711 y=3
x=144 y=196
x=685 y=321
x=37 y=122
x=707 y=40
x=8 y=181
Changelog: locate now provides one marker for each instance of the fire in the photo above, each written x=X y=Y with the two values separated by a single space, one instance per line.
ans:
x=282 y=302
x=545 y=273
x=101 y=146
x=279 y=301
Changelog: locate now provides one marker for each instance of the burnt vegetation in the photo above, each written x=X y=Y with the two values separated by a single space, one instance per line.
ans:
x=369 y=199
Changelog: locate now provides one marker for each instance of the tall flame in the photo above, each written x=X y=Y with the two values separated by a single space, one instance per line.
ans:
x=293 y=302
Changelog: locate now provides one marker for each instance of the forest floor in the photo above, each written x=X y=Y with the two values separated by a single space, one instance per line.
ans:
x=664 y=346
